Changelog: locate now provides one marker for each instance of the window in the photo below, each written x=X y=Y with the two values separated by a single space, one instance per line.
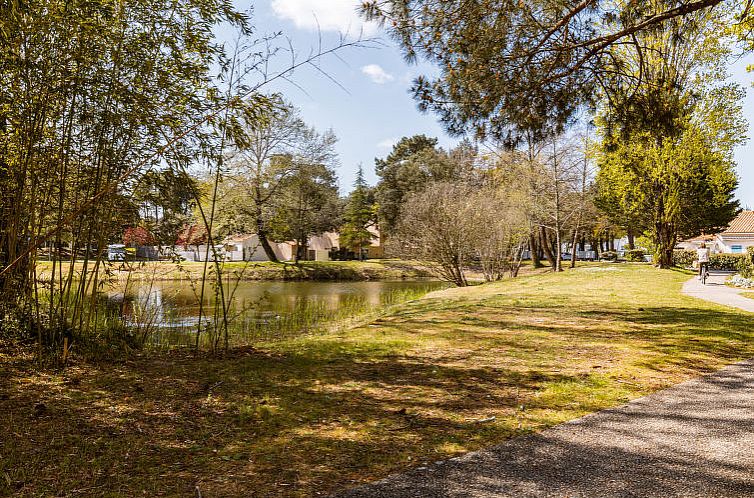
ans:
x=736 y=249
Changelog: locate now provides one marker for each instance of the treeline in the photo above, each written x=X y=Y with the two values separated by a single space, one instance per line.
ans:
x=107 y=110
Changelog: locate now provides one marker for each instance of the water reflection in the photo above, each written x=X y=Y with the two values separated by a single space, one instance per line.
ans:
x=176 y=304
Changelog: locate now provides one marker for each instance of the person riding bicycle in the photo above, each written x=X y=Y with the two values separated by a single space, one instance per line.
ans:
x=702 y=254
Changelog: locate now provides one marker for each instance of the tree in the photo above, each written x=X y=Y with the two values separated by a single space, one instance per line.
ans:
x=258 y=169
x=683 y=186
x=413 y=163
x=510 y=68
x=91 y=92
x=455 y=226
x=666 y=158
x=358 y=216
x=165 y=198
x=308 y=202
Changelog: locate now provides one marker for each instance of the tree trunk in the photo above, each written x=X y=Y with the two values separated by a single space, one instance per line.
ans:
x=544 y=241
x=574 y=248
x=268 y=250
x=534 y=250
x=665 y=241
x=558 y=252
x=262 y=230
x=630 y=236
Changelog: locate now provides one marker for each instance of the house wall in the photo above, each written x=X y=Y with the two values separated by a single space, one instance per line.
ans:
x=734 y=244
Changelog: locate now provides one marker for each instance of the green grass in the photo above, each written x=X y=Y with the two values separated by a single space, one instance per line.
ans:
x=322 y=412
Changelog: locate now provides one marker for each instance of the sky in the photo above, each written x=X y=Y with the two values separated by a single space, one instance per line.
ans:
x=362 y=93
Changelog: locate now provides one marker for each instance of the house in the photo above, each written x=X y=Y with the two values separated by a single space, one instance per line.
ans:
x=319 y=247
x=247 y=247
x=739 y=235
x=733 y=240
x=376 y=247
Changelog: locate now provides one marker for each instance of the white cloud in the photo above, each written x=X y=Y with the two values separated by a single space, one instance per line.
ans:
x=387 y=143
x=377 y=74
x=326 y=15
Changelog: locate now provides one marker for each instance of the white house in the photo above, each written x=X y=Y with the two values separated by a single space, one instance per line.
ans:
x=735 y=239
x=739 y=235
x=248 y=248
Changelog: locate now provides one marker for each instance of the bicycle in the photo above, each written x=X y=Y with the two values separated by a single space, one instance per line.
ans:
x=704 y=273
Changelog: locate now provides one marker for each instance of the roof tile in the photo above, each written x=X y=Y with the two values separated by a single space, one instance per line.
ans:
x=743 y=223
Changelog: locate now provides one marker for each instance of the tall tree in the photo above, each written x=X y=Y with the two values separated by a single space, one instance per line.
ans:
x=508 y=68
x=358 y=216
x=668 y=131
x=258 y=168
x=307 y=200
x=413 y=163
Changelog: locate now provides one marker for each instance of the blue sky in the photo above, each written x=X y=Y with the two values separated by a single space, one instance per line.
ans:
x=374 y=107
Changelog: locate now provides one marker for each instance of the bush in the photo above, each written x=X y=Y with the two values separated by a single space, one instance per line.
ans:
x=746 y=264
x=635 y=255
x=684 y=258
x=609 y=256
x=727 y=262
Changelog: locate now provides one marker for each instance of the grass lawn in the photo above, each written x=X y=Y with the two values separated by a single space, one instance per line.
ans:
x=317 y=414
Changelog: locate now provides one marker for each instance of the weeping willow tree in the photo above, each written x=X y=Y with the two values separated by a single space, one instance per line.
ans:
x=92 y=95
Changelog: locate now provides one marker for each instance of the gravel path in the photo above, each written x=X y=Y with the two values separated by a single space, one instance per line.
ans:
x=717 y=292
x=695 y=439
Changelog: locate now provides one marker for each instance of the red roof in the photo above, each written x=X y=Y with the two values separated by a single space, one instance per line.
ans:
x=743 y=223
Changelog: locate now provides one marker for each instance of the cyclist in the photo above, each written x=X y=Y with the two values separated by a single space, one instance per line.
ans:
x=702 y=254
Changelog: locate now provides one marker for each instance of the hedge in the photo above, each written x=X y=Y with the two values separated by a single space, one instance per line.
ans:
x=684 y=258
x=634 y=255
x=746 y=268
x=723 y=261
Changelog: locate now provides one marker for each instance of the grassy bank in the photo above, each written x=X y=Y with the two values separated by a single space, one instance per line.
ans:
x=378 y=269
x=458 y=370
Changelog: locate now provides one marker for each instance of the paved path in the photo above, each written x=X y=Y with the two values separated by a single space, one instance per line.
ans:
x=695 y=439
x=717 y=292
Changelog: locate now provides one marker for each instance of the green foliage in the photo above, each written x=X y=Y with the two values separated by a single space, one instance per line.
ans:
x=609 y=256
x=166 y=198
x=726 y=261
x=92 y=93
x=308 y=202
x=746 y=264
x=721 y=261
x=684 y=258
x=635 y=255
x=512 y=69
x=413 y=163
x=666 y=154
x=359 y=214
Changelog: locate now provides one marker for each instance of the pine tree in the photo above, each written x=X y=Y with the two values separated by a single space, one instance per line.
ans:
x=358 y=216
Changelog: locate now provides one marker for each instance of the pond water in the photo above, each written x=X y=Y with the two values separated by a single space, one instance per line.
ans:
x=168 y=310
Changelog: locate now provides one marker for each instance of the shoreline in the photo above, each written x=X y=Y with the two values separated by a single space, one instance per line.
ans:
x=326 y=271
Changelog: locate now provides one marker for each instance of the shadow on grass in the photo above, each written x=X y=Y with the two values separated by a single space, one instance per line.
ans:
x=690 y=441
x=329 y=412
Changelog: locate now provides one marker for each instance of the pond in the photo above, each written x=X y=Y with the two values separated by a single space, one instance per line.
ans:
x=167 y=312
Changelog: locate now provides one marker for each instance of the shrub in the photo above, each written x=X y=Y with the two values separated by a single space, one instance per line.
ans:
x=727 y=262
x=684 y=258
x=609 y=256
x=635 y=255
x=746 y=264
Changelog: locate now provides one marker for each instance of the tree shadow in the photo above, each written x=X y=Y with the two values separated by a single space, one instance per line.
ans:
x=688 y=441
